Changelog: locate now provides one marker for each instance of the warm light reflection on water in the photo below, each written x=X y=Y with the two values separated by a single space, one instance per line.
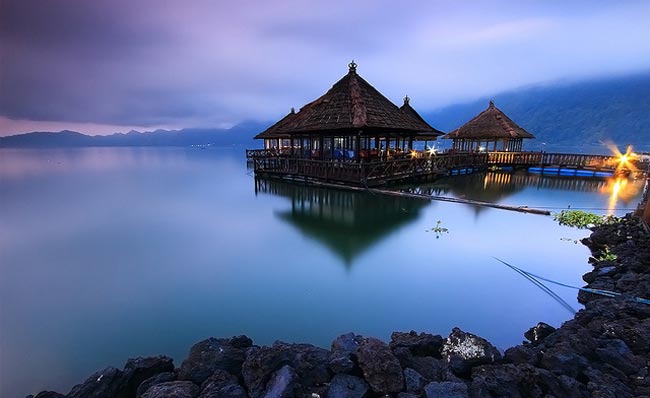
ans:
x=622 y=189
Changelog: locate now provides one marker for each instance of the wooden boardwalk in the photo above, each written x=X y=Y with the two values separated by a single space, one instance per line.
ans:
x=423 y=166
x=368 y=173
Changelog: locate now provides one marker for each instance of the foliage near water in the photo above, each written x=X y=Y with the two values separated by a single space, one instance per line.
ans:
x=438 y=229
x=582 y=219
x=607 y=255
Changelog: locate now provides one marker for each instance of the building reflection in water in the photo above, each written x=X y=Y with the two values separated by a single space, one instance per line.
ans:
x=347 y=223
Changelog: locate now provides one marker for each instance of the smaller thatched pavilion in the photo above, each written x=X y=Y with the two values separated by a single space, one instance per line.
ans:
x=490 y=130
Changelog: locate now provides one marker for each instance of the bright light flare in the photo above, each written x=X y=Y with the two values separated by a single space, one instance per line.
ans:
x=624 y=161
x=414 y=154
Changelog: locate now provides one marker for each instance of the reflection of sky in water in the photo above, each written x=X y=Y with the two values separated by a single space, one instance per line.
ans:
x=108 y=254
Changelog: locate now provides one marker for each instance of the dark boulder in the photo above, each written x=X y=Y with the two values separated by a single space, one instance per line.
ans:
x=446 y=389
x=465 y=350
x=343 y=353
x=521 y=354
x=152 y=381
x=380 y=367
x=211 y=354
x=505 y=381
x=48 y=394
x=222 y=384
x=347 y=386
x=308 y=362
x=539 y=332
x=422 y=345
x=616 y=353
x=173 y=389
x=413 y=381
x=283 y=384
x=563 y=360
x=106 y=383
x=137 y=370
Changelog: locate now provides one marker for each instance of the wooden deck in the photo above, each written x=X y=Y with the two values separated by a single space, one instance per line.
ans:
x=368 y=173
x=422 y=166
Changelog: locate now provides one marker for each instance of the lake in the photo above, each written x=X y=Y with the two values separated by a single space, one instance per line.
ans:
x=112 y=253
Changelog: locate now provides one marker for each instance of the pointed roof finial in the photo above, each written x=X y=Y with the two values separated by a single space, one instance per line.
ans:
x=353 y=67
x=491 y=104
x=406 y=99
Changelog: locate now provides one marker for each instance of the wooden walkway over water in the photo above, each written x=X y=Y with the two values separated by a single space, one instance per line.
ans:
x=422 y=165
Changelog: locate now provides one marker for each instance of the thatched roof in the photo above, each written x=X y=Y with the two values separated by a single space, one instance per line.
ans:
x=408 y=109
x=352 y=104
x=490 y=124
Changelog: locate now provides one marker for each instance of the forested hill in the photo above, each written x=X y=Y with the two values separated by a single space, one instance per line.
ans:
x=568 y=115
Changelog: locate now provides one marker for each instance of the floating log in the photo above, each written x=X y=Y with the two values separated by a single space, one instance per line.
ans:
x=521 y=209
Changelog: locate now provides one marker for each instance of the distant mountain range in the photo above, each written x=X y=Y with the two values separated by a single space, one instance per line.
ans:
x=241 y=134
x=575 y=115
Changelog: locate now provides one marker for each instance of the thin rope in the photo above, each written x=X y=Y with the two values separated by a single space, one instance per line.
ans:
x=584 y=289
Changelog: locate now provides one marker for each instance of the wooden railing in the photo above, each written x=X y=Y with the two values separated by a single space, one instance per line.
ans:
x=422 y=164
x=368 y=172
x=543 y=159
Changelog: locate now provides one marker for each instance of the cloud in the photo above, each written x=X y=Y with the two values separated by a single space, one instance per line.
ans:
x=209 y=63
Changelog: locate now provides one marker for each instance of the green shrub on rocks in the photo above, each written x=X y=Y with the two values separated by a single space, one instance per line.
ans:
x=582 y=219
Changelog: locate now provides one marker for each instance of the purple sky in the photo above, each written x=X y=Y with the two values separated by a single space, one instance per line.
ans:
x=108 y=66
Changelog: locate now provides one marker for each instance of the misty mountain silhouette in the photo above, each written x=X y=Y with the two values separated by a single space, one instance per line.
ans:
x=569 y=114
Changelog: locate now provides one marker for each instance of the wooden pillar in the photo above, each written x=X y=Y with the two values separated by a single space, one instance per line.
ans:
x=357 y=148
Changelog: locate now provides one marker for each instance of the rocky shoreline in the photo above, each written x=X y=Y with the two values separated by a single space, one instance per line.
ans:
x=603 y=352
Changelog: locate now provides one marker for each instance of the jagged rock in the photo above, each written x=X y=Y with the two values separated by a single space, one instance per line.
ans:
x=505 y=381
x=380 y=367
x=446 y=389
x=347 y=386
x=152 y=381
x=343 y=353
x=283 y=383
x=521 y=354
x=465 y=350
x=48 y=394
x=635 y=333
x=106 y=383
x=211 y=354
x=407 y=395
x=413 y=381
x=137 y=370
x=422 y=345
x=222 y=384
x=173 y=389
x=309 y=363
x=539 y=332
x=561 y=360
x=616 y=353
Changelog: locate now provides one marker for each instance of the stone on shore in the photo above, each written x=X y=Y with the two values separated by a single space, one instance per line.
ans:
x=173 y=389
x=465 y=350
x=308 y=362
x=211 y=354
x=380 y=367
x=347 y=386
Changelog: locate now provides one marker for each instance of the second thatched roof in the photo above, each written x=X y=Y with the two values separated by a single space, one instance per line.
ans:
x=492 y=123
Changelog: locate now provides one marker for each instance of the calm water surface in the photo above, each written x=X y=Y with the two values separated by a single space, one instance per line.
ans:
x=107 y=254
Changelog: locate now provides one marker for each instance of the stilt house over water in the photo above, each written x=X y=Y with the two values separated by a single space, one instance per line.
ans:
x=490 y=130
x=352 y=121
